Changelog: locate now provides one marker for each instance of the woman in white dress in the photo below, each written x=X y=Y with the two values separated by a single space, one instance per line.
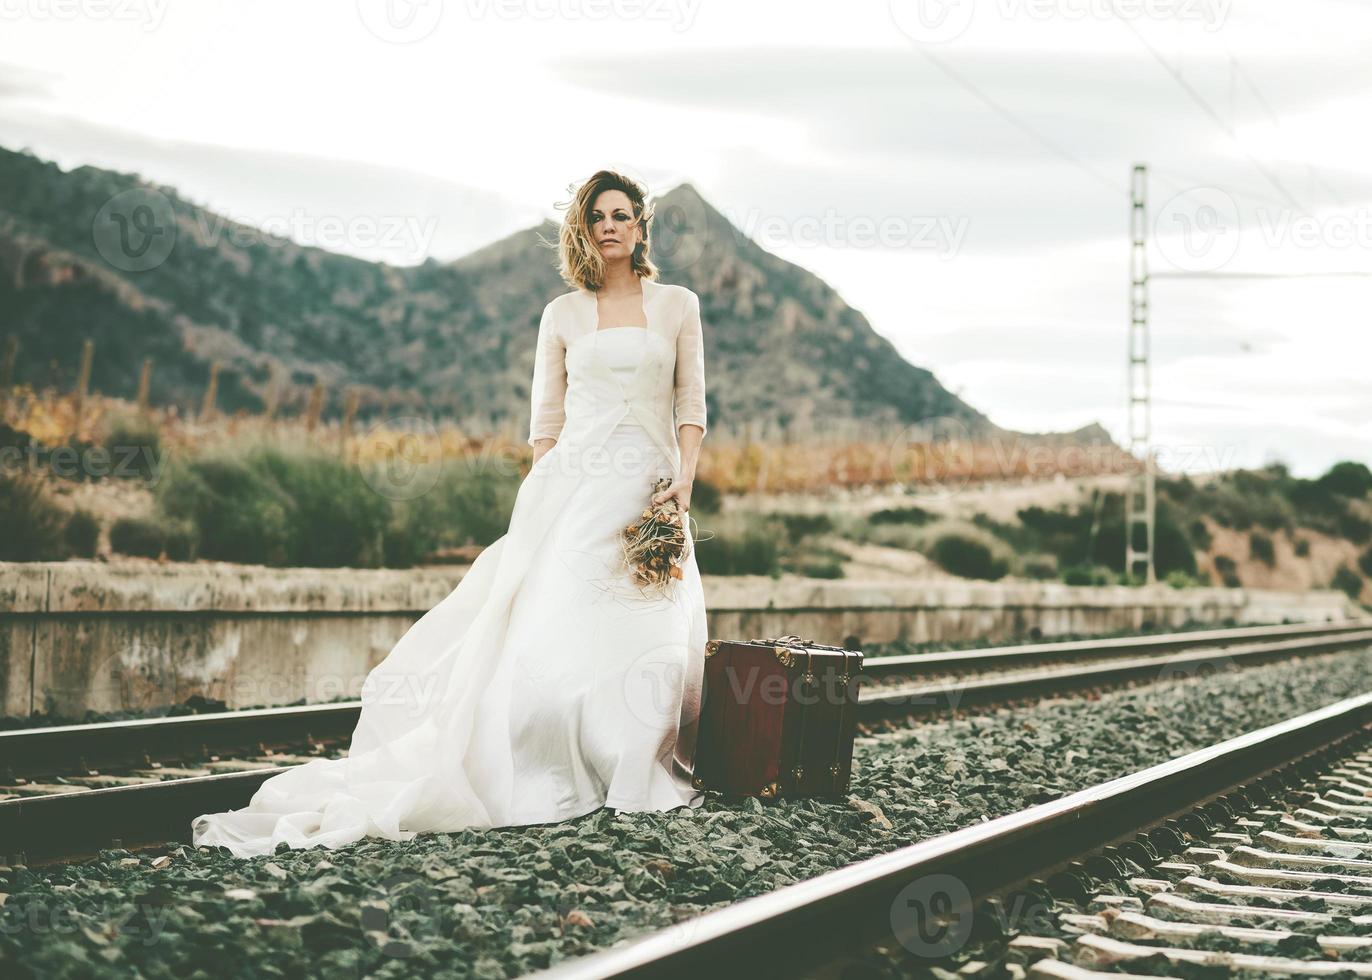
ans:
x=546 y=684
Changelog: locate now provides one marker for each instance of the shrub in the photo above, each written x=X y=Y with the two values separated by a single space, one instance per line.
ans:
x=1365 y=562
x=1200 y=534
x=1182 y=490
x=1347 y=581
x=271 y=506
x=1172 y=548
x=1180 y=580
x=917 y=516
x=412 y=533
x=821 y=568
x=1229 y=571
x=472 y=502
x=705 y=497
x=739 y=545
x=81 y=534
x=1088 y=575
x=151 y=536
x=1260 y=548
x=135 y=446
x=1039 y=566
x=180 y=540
x=1354 y=528
x=1059 y=532
x=240 y=513
x=34 y=526
x=137 y=536
x=799 y=526
x=1347 y=479
x=1302 y=547
x=965 y=555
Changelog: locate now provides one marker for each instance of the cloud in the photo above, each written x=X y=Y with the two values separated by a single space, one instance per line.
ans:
x=24 y=83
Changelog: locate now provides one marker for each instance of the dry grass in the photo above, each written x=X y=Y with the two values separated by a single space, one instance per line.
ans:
x=735 y=467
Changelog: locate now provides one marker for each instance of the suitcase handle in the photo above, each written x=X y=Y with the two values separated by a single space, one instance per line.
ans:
x=792 y=638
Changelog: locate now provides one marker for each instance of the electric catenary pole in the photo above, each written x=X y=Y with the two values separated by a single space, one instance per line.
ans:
x=1138 y=499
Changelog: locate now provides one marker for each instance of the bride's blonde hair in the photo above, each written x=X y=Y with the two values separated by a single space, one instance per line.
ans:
x=579 y=260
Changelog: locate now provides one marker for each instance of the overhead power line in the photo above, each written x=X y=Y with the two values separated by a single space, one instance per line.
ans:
x=1209 y=110
x=1010 y=117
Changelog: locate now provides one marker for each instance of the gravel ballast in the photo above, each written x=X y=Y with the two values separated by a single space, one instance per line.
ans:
x=501 y=903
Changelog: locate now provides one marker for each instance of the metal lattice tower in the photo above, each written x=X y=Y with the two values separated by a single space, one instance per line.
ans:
x=1139 y=499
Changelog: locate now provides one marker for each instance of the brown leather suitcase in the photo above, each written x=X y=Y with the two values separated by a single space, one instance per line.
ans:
x=777 y=718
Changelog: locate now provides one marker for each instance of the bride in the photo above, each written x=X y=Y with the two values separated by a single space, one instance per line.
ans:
x=546 y=684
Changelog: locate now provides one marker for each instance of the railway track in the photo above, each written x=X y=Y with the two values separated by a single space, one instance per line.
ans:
x=1251 y=855
x=68 y=791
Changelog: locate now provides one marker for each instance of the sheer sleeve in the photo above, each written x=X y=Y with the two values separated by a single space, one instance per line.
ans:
x=690 y=366
x=547 y=395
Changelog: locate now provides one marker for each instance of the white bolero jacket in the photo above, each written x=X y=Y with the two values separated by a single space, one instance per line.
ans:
x=577 y=399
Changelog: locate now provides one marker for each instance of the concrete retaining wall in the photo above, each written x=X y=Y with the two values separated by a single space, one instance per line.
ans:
x=88 y=635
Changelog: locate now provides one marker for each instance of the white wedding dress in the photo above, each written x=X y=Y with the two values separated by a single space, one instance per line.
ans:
x=546 y=684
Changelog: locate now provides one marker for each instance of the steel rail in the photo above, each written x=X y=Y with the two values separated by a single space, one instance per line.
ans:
x=65 y=825
x=1030 y=653
x=799 y=927
x=953 y=693
x=38 y=752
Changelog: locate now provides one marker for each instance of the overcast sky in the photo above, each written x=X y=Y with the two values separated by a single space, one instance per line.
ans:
x=957 y=169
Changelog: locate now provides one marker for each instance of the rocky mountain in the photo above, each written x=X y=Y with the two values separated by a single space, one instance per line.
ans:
x=142 y=272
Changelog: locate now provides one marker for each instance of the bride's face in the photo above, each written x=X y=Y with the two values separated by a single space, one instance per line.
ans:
x=613 y=227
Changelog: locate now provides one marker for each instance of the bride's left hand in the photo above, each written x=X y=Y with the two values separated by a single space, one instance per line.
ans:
x=681 y=490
